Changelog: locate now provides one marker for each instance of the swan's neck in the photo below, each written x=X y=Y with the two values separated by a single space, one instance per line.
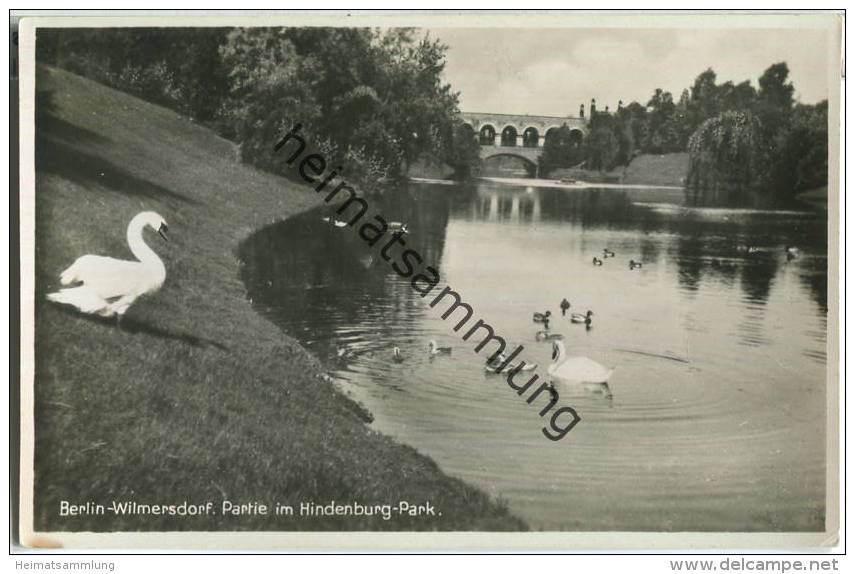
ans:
x=561 y=354
x=139 y=248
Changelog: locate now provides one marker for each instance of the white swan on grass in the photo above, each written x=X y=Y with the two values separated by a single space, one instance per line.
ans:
x=577 y=370
x=110 y=286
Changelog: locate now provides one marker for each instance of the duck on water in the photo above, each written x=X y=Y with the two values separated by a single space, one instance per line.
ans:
x=434 y=349
x=587 y=318
x=541 y=317
x=492 y=365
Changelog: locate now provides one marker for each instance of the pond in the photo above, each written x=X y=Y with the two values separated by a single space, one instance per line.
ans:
x=717 y=414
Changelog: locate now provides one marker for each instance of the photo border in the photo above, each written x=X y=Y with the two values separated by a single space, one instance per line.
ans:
x=428 y=541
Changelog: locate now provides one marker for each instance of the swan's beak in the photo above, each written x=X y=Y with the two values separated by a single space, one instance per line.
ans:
x=162 y=231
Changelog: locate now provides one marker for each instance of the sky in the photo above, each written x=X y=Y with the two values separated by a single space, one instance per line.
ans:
x=550 y=71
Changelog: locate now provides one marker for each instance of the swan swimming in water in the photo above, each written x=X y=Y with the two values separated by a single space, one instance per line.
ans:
x=110 y=286
x=577 y=370
x=397 y=356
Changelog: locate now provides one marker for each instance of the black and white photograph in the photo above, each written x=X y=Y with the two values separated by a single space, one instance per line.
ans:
x=557 y=275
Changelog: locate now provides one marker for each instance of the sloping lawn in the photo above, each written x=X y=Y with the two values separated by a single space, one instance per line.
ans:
x=194 y=397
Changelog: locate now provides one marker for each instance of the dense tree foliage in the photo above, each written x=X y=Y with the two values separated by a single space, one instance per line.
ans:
x=770 y=150
x=745 y=143
x=373 y=101
x=561 y=149
x=157 y=64
x=724 y=156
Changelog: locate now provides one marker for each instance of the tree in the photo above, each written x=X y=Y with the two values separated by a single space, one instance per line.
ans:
x=774 y=88
x=461 y=151
x=774 y=100
x=560 y=150
x=374 y=112
x=662 y=137
x=271 y=90
x=178 y=70
x=736 y=97
x=800 y=152
x=704 y=95
x=723 y=158
x=809 y=138
x=634 y=117
x=602 y=149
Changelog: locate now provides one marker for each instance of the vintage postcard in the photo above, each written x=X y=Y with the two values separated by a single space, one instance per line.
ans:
x=427 y=281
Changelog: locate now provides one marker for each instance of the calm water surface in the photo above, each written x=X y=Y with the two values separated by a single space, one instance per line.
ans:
x=717 y=419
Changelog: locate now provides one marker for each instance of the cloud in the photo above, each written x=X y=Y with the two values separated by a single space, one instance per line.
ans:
x=550 y=71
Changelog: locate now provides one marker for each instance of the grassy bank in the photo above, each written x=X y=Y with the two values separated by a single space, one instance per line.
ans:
x=647 y=169
x=650 y=169
x=196 y=397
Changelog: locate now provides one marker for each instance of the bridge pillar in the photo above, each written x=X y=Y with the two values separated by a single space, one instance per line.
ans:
x=497 y=140
x=541 y=139
x=519 y=140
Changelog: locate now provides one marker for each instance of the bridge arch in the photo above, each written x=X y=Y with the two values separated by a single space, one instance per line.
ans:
x=528 y=159
x=550 y=133
x=487 y=135
x=519 y=139
x=509 y=136
x=530 y=137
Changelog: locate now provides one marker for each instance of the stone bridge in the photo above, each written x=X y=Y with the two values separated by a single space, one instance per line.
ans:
x=519 y=136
